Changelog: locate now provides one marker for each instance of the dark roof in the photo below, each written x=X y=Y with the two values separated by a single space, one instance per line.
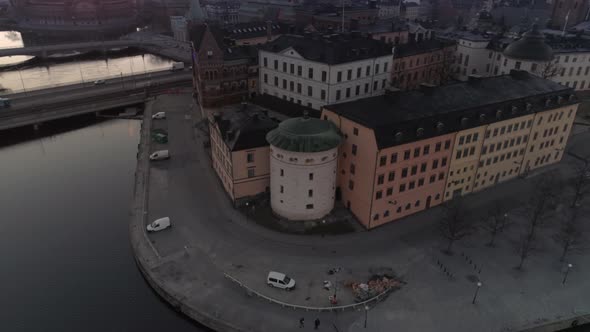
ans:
x=305 y=134
x=284 y=107
x=253 y=30
x=531 y=47
x=441 y=110
x=334 y=50
x=381 y=26
x=425 y=46
x=230 y=52
x=244 y=129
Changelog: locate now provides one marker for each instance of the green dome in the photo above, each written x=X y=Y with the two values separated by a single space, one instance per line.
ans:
x=304 y=134
x=531 y=47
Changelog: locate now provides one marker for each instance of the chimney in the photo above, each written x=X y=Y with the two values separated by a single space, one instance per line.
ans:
x=427 y=88
x=268 y=31
x=519 y=74
x=474 y=79
x=392 y=93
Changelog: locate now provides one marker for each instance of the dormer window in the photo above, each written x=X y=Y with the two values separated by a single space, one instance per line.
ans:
x=529 y=106
x=398 y=136
x=514 y=109
x=498 y=114
x=419 y=132
x=440 y=126
x=464 y=121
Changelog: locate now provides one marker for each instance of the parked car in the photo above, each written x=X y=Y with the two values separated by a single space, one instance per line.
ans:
x=99 y=82
x=280 y=280
x=159 y=224
x=160 y=155
x=159 y=115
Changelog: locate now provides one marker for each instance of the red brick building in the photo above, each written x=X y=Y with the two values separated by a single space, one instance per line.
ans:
x=428 y=62
x=222 y=74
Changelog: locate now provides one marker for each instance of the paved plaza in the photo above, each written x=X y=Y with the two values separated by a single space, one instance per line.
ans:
x=209 y=239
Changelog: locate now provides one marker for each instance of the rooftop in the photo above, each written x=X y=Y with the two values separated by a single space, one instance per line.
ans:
x=421 y=47
x=305 y=134
x=245 y=126
x=397 y=117
x=334 y=49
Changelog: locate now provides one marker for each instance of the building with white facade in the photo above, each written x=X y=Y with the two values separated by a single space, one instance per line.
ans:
x=315 y=71
x=562 y=60
x=303 y=162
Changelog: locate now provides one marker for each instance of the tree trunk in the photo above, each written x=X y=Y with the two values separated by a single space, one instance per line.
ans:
x=566 y=248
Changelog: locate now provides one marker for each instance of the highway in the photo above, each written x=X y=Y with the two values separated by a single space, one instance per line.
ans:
x=46 y=50
x=82 y=99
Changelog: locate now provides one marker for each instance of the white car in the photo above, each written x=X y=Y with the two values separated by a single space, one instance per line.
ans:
x=160 y=155
x=280 y=280
x=99 y=82
x=159 y=224
x=159 y=115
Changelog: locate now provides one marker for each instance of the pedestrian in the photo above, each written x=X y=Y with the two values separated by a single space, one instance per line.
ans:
x=301 y=322
x=317 y=323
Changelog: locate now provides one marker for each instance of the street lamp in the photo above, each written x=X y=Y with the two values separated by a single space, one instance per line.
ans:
x=476 y=291
x=569 y=266
x=366 y=314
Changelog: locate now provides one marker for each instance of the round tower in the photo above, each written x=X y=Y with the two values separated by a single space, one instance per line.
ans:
x=303 y=161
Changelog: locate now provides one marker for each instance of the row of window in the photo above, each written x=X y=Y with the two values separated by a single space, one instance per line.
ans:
x=507 y=143
x=298 y=88
x=310 y=175
x=403 y=187
x=466 y=139
x=425 y=150
x=309 y=192
x=502 y=157
x=290 y=68
x=510 y=128
x=411 y=170
x=427 y=59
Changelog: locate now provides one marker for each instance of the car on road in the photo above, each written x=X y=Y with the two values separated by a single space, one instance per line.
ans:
x=99 y=82
x=160 y=155
x=159 y=224
x=280 y=280
x=159 y=115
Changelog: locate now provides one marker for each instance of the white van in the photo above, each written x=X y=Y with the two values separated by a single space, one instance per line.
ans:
x=159 y=224
x=159 y=115
x=280 y=280
x=160 y=155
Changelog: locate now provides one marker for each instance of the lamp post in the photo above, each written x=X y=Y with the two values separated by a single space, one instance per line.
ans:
x=569 y=266
x=476 y=291
x=366 y=314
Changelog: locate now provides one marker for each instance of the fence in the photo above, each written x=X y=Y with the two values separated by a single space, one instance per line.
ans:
x=353 y=306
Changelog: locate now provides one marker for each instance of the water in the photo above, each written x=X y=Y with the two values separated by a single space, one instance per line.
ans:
x=55 y=74
x=66 y=260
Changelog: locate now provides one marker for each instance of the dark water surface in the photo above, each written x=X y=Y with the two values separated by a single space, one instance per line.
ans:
x=65 y=259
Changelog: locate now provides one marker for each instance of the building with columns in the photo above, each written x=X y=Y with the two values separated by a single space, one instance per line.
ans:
x=315 y=71
x=404 y=152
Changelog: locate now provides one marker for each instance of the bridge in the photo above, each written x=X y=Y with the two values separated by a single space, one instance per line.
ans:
x=31 y=108
x=103 y=46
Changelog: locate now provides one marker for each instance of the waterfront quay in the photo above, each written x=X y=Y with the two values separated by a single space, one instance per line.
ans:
x=212 y=264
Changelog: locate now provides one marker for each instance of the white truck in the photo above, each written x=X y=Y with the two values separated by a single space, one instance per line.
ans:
x=177 y=66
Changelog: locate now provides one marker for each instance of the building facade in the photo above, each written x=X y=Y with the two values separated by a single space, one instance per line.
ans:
x=448 y=141
x=222 y=74
x=429 y=61
x=567 y=13
x=315 y=72
x=240 y=153
x=303 y=158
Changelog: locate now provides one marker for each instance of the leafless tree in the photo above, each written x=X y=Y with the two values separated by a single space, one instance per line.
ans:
x=549 y=69
x=445 y=71
x=541 y=201
x=570 y=234
x=495 y=221
x=454 y=225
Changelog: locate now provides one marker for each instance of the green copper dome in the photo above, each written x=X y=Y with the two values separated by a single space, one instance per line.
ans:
x=531 y=47
x=304 y=134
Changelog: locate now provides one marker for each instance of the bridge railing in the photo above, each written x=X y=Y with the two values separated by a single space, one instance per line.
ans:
x=116 y=79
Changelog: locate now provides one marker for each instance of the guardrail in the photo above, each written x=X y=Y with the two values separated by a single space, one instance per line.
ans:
x=116 y=79
x=353 y=306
